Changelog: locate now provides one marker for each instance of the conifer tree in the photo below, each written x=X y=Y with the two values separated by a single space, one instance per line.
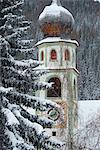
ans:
x=20 y=129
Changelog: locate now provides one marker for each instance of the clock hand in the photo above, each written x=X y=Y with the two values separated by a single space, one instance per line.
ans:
x=54 y=113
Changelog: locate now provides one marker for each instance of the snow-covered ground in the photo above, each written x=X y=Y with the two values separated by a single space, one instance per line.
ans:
x=87 y=110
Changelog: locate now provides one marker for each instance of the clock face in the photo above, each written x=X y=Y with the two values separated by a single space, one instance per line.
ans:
x=58 y=115
x=53 y=114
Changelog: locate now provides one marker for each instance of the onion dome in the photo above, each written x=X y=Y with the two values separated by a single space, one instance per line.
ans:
x=55 y=20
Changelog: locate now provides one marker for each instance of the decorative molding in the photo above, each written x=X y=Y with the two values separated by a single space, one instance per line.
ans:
x=62 y=121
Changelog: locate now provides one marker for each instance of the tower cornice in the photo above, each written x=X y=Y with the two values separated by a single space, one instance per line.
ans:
x=58 y=69
x=55 y=40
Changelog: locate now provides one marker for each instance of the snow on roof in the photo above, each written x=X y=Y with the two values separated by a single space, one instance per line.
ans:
x=56 y=39
x=87 y=110
x=56 y=12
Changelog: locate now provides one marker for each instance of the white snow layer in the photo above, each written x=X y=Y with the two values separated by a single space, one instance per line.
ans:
x=56 y=39
x=17 y=142
x=11 y=119
x=29 y=110
x=28 y=123
x=13 y=139
x=53 y=10
x=87 y=110
x=25 y=62
x=12 y=7
x=2 y=89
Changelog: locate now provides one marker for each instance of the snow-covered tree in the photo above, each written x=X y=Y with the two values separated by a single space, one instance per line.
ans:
x=88 y=138
x=20 y=129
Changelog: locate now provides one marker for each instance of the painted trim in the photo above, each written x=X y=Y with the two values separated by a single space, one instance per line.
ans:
x=57 y=69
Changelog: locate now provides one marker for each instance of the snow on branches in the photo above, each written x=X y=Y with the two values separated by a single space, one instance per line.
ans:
x=88 y=137
x=18 y=82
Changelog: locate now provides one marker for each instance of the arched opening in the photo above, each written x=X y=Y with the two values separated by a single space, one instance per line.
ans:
x=53 y=55
x=55 y=91
x=42 y=56
x=67 y=54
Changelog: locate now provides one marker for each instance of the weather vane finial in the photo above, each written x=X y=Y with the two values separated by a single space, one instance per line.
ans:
x=56 y=2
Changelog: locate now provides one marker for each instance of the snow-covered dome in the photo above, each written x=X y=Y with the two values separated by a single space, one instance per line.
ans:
x=55 y=20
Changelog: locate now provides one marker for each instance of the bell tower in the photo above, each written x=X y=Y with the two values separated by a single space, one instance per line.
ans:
x=58 y=54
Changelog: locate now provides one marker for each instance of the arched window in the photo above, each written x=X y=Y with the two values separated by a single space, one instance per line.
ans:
x=55 y=91
x=53 y=55
x=67 y=54
x=42 y=56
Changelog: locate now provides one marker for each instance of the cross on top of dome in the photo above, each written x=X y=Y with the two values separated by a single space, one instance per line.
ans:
x=56 y=2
